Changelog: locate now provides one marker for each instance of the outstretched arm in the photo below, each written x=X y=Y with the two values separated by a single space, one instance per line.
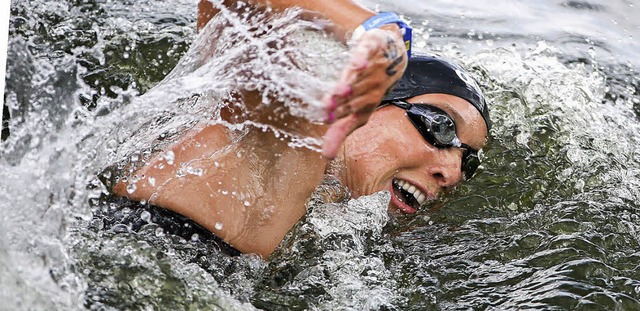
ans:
x=252 y=191
x=345 y=14
x=378 y=60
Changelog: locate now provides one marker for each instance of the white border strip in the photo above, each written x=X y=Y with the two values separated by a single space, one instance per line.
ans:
x=5 y=10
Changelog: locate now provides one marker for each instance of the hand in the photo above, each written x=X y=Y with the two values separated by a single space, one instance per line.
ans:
x=377 y=62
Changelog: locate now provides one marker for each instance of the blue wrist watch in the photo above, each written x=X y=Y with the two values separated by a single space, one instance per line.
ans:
x=384 y=19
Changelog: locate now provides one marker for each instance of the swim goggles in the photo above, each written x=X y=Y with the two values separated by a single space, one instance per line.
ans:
x=439 y=129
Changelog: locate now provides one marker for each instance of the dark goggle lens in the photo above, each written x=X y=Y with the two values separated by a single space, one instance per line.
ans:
x=435 y=125
x=443 y=130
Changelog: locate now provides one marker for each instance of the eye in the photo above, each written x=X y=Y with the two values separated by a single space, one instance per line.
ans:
x=443 y=130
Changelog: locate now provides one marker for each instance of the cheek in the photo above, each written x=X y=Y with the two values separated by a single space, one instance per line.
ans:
x=365 y=156
x=373 y=145
x=375 y=154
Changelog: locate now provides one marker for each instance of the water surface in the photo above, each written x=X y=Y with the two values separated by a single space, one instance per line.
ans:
x=550 y=222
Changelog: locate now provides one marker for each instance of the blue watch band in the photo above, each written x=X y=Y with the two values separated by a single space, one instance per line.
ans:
x=385 y=18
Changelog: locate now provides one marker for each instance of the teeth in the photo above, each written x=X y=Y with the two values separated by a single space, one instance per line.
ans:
x=417 y=194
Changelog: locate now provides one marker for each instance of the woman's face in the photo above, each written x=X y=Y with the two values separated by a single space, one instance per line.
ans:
x=388 y=153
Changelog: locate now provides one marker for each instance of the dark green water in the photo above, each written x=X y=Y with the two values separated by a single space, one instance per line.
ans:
x=551 y=222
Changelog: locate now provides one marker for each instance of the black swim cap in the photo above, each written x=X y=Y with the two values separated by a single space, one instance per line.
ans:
x=433 y=74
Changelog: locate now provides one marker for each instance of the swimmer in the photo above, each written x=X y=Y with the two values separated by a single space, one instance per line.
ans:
x=416 y=141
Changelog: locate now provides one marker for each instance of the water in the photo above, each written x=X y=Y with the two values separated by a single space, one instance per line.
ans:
x=550 y=222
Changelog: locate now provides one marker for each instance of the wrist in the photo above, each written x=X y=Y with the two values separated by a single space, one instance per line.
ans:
x=393 y=28
x=387 y=21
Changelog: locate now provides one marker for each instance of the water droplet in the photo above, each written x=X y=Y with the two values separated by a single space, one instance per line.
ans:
x=146 y=216
x=246 y=203
x=159 y=232
x=134 y=179
x=194 y=171
x=131 y=188
x=120 y=228
x=169 y=156
x=219 y=226
x=111 y=145
x=195 y=237
x=152 y=181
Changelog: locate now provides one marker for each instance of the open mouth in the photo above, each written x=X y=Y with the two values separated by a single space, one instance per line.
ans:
x=411 y=198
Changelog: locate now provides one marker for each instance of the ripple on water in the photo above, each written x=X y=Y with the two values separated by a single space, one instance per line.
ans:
x=550 y=222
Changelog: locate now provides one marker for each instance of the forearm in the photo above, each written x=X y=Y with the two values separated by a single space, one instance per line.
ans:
x=345 y=15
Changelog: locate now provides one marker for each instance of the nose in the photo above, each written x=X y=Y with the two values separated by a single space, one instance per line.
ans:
x=447 y=170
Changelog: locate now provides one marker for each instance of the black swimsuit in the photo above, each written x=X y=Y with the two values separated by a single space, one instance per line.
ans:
x=128 y=214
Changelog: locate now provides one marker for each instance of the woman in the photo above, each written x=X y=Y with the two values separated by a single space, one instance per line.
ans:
x=416 y=145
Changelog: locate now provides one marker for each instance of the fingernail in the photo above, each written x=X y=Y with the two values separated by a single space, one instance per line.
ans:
x=331 y=117
x=347 y=91
x=363 y=65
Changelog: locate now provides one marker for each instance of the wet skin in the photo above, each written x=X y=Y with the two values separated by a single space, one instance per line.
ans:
x=390 y=148
x=252 y=200
x=253 y=188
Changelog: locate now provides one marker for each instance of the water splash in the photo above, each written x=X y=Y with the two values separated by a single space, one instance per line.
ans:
x=551 y=220
x=73 y=98
x=332 y=260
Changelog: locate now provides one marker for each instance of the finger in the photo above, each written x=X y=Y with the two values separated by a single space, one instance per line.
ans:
x=361 y=57
x=372 y=86
x=330 y=105
x=363 y=72
x=381 y=72
x=341 y=91
x=365 y=103
x=367 y=91
x=358 y=61
x=366 y=94
x=338 y=132
x=367 y=83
